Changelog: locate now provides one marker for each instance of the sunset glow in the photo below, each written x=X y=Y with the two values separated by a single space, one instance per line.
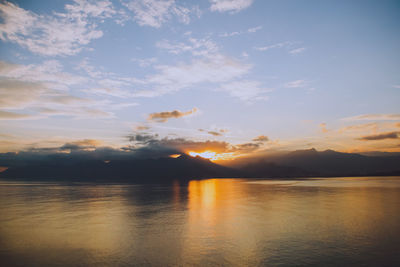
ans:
x=206 y=154
x=213 y=156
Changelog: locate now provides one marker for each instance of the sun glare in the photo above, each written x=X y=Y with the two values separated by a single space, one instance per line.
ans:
x=206 y=154
x=213 y=156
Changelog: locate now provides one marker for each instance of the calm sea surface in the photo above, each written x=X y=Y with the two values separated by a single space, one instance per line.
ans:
x=231 y=222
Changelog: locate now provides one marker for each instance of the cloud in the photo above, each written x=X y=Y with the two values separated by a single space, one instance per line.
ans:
x=219 y=132
x=246 y=147
x=197 y=47
x=49 y=73
x=150 y=142
x=246 y=90
x=59 y=34
x=38 y=98
x=19 y=94
x=297 y=50
x=45 y=89
x=296 y=84
x=209 y=66
x=82 y=144
x=172 y=78
x=261 y=138
x=141 y=128
x=166 y=115
x=382 y=136
x=154 y=13
x=254 y=29
x=5 y=115
x=145 y=62
x=290 y=46
x=374 y=117
x=396 y=86
x=360 y=127
x=214 y=133
x=277 y=45
x=142 y=138
x=225 y=34
x=250 y=30
x=232 y=6
x=323 y=127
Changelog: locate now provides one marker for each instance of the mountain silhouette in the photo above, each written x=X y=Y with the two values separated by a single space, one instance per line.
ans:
x=311 y=162
x=137 y=170
x=300 y=163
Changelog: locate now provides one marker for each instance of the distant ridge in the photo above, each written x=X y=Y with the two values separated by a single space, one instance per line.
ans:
x=300 y=163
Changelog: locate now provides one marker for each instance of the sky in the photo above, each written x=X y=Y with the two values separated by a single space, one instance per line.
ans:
x=227 y=76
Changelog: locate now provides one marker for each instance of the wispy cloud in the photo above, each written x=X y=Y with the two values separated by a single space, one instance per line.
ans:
x=246 y=90
x=44 y=89
x=297 y=50
x=208 y=66
x=49 y=72
x=230 y=34
x=145 y=62
x=216 y=132
x=381 y=136
x=360 y=127
x=166 y=115
x=250 y=30
x=197 y=47
x=261 y=138
x=268 y=47
x=231 y=6
x=154 y=13
x=374 y=117
x=172 y=78
x=296 y=84
x=18 y=94
x=6 y=115
x=254 y=29
x=290 y=46
x=57 y=34
x=323 y=128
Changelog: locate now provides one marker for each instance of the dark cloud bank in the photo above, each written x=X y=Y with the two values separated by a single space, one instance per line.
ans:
x=147 y=160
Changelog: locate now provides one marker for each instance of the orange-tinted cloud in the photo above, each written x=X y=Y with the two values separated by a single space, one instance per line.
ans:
x=166 y=115
x=261 y=138
x=6 y=115
x=374 y=117
x=323 y=128
x=382 y=136
x=142 y=128
x=219 y=132
x=82 y=144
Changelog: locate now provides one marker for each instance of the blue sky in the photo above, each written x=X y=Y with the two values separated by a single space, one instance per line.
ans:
x=302 y=74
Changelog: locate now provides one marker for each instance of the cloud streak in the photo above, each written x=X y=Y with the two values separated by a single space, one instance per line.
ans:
x=166 y=115
x=381 y=136
x=261 y=138
x=5 y=115
x=374 y=117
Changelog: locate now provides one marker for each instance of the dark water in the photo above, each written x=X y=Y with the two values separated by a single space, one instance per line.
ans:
x=324 y=222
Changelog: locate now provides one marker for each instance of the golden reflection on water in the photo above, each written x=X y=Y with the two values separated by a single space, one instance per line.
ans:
x=208 y=222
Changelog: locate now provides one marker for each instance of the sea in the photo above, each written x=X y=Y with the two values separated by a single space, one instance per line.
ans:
x=349 y=221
